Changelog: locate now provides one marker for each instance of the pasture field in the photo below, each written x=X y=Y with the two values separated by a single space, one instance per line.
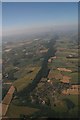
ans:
x=21 y=83
x=15 y=111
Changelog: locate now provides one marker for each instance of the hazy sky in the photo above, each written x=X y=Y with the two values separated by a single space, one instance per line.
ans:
x=40 y=0
x=18 y=17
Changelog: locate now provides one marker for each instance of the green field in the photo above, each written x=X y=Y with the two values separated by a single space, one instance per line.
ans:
x=21 y=83
x=15 y=111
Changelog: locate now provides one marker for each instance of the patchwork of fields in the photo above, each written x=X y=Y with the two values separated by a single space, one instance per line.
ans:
x=56 y=92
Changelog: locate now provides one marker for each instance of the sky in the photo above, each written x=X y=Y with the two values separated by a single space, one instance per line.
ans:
x=40 y=0
x=19 y=17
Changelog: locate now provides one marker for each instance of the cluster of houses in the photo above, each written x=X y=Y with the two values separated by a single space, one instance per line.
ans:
x=45 y=87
